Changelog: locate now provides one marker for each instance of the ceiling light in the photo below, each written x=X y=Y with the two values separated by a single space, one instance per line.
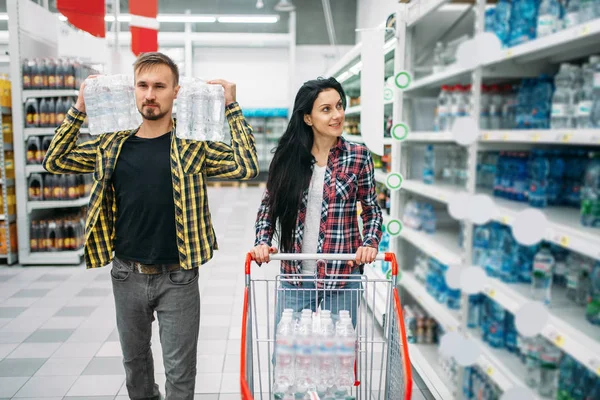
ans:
x=186 y=18
x=3 y=17
x=284 y=6
x=266 y=19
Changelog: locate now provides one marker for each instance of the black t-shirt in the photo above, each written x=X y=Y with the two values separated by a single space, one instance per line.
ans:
x=146 y=230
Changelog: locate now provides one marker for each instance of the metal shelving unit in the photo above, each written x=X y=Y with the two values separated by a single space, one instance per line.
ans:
x=29 y=38
x=567 y=327
x=6 y=218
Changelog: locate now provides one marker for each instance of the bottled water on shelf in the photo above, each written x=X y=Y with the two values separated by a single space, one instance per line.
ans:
x=595 y=114
x=532 y=361
x=543 y=267
x=523 y=22
x=110 y=104
x=481 y=243
x=561 y=100
x=502 y=21
x=588 y=10
x=549 y=21
x=586 y=98
x=474 y=315
x=508 y=107
x=592 y=312
x=556 y=174
x=549 y=361
x=442 y=110
x=508 y=245
x=200 y=111
x=496 y=105
x=484 y=113
x=590 y=193
x=429 y=166
x=539 y=169
x=438 y=58
x=571 y=17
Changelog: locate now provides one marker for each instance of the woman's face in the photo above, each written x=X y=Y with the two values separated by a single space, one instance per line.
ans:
x=327 y=115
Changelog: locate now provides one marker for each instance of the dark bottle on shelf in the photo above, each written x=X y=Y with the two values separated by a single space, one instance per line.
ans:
x=36 y=187
x=88 y=183
x=60 y=235
x=60 y=74
x=44 y=113
x=51 y=73
x=26 y=68
x=34 y=235
x=44 y=73
x=43 y=235
x=33 y=150
x=49 y=183
x=70 y=240
x=32 y=112
x=73 y=187
x=37 y=81
x=60 y=111
x=59 y=187
x=51 y=236
x=70 y=75
x=52 y=113
x=46 y=144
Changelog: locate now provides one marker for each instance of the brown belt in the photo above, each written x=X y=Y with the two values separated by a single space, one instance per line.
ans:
x=154 y=269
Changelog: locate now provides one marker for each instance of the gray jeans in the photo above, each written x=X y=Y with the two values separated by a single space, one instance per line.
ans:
x=175 y=297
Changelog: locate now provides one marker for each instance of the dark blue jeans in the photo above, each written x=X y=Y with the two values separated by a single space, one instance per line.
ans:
x=175 y=297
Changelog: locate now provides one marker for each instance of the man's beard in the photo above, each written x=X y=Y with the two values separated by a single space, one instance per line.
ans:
x=150 y=115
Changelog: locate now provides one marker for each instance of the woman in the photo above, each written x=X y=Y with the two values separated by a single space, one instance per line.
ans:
x=315 y=179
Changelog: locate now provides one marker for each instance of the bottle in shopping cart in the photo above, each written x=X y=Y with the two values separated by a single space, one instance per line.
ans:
x=346 y=337
x=304 y=372
x=284 y=354
x=326 y=369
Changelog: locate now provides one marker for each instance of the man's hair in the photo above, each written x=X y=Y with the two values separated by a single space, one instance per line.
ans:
x=149 y=60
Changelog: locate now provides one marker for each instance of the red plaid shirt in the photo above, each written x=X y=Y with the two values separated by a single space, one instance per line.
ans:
x=349 y=178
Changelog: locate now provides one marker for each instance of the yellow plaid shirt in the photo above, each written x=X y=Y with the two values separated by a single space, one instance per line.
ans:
x=191 y=163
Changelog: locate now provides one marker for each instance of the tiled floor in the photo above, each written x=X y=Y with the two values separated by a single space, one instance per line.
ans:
x=58 y=336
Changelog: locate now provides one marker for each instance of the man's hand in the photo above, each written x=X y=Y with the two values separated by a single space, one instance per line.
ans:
x=80 y=104
x=229 y=90
x=366 y=255
x=262 y=252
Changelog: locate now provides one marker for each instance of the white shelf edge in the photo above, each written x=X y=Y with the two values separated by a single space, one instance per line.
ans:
x=434 y=137
x=543 y=136
x=44 y=205
x=30 y=94
x=380 y=176
x=416 y=11
x=564 y=335
x=34 y=169
x=434 y=382
x=429 y=245
x=436 y=192
x=437 y=79
x=55 y=258
x=387 y=141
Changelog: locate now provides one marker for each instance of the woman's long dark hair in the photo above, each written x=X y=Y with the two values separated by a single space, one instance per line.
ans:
x=291 y=167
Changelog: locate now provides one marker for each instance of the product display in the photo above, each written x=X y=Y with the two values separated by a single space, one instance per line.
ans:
x=64 y=232
x=47 y=112
x=200 y=111
x=45 y=187
x=51 y=73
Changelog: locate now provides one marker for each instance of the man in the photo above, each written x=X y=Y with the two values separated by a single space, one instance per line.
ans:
x=149 y=206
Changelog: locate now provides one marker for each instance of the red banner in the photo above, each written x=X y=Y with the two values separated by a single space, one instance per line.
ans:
x=143 y=26
x=86 y=15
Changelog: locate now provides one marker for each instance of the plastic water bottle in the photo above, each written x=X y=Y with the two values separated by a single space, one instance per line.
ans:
x=496 y=336
x=588 y=10
x=284 y=354
x=442 y=110
x=346 y=337
x=502 y=18
x=532 y=361
x=474 y=315
x=566 y=381
x=305 y=355
x=508 y=269
x=495 y=252
x=539 y=179
x=595 y=114
x=543 y=268
x=548 y=18
x=496 y=104
x=555 y=177
x=438 y=58
x=484 y=115
x=561 y=116
x=481 y=242
x=571 y=17
x=542 y=102
x=428 y=219
x=93 y=109
x=592 y=312
x=586 y=97
x=573 y=275
x=509 y=107
x=584 y=284
x=326 y=355
x=525 y=258
x=590 y=193
x=523 y=21
x=511 y=333
x=549 y=361
x=429 y=167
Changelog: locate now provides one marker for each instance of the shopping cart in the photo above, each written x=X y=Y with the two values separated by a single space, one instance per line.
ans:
x=382 y=368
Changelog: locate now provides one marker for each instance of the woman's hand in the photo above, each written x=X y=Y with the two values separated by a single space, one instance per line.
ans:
x=262 y=252
x=366 y=255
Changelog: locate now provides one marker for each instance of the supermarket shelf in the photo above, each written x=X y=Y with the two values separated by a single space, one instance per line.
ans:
x=34 y=169
x=500 y=365
x=590 y=137
x=425 y=360
x=451 y=75
x=28 y=132
x=567 y=327
x=27 y=94
x=380 y=176
x=564 y=228
x=559 y=44
x=433 y=137
x=441 y=192
x=11 y=218
x=9 y=255
x=419 y=9
x=442 y=245
x=7 y=147
x=7 y=182
x=56 y=258
x=387 y=141
x=43 y=205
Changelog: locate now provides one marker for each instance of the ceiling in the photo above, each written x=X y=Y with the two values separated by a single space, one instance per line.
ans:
x=310 y=20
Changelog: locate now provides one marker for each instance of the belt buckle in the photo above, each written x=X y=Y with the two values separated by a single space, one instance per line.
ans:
x=139 y=267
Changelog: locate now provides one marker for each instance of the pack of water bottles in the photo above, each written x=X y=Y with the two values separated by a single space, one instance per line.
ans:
x=200 y=111
x=110 y=104
x=314 y=354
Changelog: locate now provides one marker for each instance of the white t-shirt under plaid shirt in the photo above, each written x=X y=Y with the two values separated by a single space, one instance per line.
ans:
x=313 y=217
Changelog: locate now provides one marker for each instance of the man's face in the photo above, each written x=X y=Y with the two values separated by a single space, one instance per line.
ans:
x=155 y=91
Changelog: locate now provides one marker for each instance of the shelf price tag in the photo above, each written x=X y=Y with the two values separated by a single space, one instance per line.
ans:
x=585 y=30
x=489 y=371
x=564 y=241
x=508 y=54
x=505 y=137
x=566 y=138
x=486 y=136
x=505 y=220
x=535 y=137
x=557 y=339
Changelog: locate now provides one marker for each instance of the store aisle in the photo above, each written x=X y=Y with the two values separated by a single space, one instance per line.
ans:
x=58 y=335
